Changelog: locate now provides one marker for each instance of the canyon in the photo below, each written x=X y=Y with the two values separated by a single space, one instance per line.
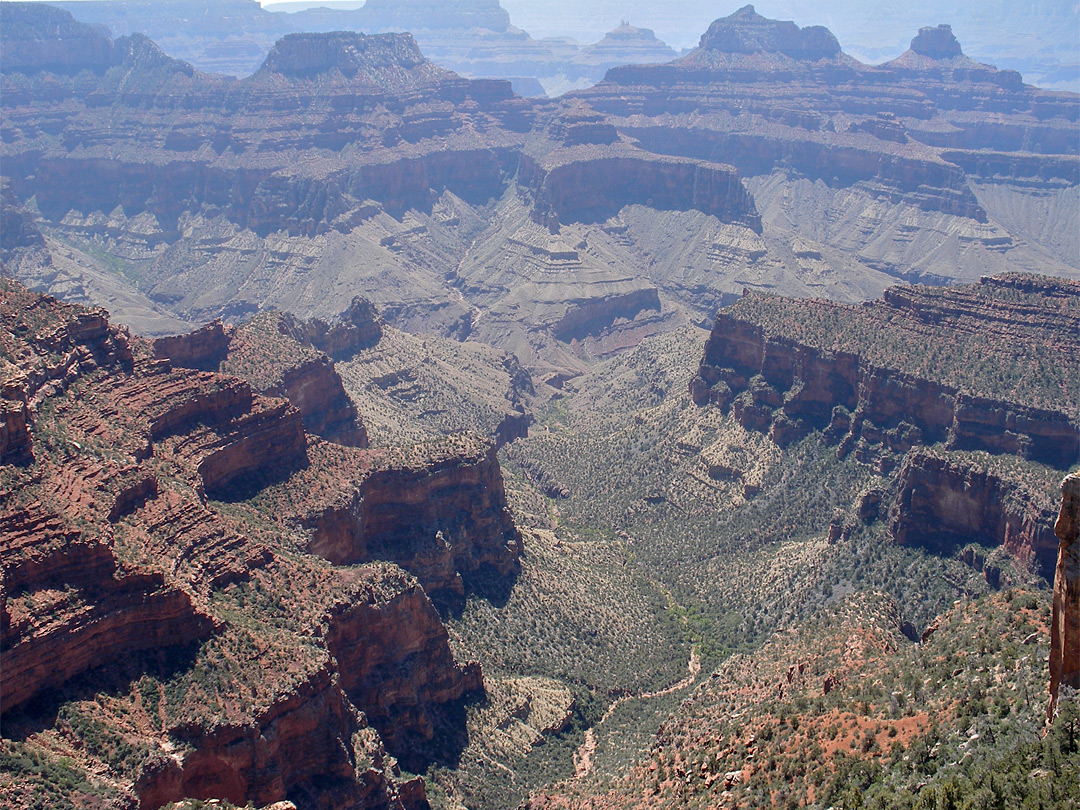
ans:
x=372 y=435
x=788 y=367
x=114 y=545
x=352 y=165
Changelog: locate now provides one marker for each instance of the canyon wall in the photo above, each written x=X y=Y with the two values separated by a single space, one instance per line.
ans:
x=269 y=674
x=942 y=505
x=395 y=663
x=441 y=518
x=786 y=389
x=789 y=368
x=1065 y=619
x=592 y=184
x=298 y=373
x=69 y=607
x=917 y=386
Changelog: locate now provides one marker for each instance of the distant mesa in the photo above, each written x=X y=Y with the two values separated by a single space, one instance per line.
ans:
x=935 y=49
x=307 y=55
x=747 y=32
x=38 y=37
x=937 y=42
x=629 y=43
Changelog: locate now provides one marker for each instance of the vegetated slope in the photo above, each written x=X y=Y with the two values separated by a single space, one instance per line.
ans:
x=178 y=616
x=754 y=529
x=844 y=711
x=562 y=231
x=356 y=379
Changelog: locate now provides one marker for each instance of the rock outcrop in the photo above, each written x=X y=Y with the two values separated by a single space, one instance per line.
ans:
x=202 y=349
x=306 y=745
x=590 y=183
x=316 y=390
x=788 y=368
x=263 y=673
x=937 y=43
x=358 y=327
x=395 y=663
x=69 y=607
x=942 y=505
x=747 y=32
x=629 y=45
x=1065 y=619
x=16 y=443
x=276 y=353
x=441 y=515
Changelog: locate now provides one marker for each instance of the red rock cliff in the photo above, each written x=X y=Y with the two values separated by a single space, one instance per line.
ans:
x=1065 y=621
x=202 y=349
x=862 y=374
x=69 y=607
x=441 y=516
x=395 y=662
x=135 y=558
x=943 y=504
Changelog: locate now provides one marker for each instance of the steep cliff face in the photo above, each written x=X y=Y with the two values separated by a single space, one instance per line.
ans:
x=944 y=504
x=16 y=443
x=935 y=390
x=789 y=377
x=440 y=515
x=1065 y=620
x=275 y=353
x=69 y=607
x=592 y=184
x=310 y=744
x=316 y=390
x=395 y=662
x=228 y=434
x=202 y=349
x=262 y=666
x=887 y=171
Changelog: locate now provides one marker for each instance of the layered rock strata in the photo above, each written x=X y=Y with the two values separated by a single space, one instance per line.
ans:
x=395 y=663
x=202 y=349
x=256 y=183
x=765 y=94
x=440 y=513
x=788 y=368
x=942 y=504
x=236 y=668
x=592 y=183
x=68 y=607
x=350 y=164
x=277 y=354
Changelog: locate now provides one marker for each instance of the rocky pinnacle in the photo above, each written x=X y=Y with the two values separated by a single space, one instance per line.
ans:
x=1065 y=626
